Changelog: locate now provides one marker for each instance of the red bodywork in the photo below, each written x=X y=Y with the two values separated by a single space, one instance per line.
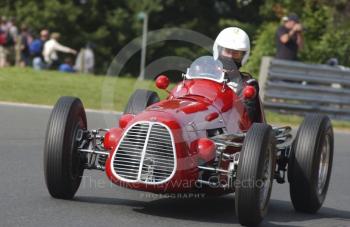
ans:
x=192 y=108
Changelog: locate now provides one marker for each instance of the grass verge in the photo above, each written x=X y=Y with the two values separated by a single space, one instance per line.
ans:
x=45 y=87
x=294 y=120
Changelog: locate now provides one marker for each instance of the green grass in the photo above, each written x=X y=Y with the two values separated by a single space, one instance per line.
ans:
x=294 y=120
x=96 y=92
x=45 y=87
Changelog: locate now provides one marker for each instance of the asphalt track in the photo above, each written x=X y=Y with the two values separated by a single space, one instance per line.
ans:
x=24 y=200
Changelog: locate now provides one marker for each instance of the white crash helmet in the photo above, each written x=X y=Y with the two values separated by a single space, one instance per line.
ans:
x=232 y=38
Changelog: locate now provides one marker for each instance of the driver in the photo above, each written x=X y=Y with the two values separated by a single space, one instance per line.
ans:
x=232 y=48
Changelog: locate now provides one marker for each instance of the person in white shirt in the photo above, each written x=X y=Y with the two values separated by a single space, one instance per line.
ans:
x=85 y=60
x=51 y=48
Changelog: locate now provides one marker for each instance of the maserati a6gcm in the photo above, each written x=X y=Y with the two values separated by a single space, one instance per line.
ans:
x=199 y=139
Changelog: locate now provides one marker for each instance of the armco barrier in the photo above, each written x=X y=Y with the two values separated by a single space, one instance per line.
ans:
x=295 y=87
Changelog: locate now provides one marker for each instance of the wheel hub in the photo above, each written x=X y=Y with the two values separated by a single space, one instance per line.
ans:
x=265 y=180
x=323 y=166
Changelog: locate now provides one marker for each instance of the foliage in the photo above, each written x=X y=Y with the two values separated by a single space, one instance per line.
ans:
x=263 y=45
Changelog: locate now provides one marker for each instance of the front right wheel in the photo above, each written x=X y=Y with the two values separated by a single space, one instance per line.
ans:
x=310 y=163
x=140 y=100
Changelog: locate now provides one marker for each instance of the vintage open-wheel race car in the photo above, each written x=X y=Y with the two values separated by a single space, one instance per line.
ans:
x=200 y=139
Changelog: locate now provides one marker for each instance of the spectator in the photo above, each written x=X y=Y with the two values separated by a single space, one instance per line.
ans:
x=67 y=66
x=332 y=62
x=36 y=50
x=289 y=38
x=51 y=48
x=3 y=24
x=3 y=51
x=3 y=41
x=13 y=30
x=25 y=40
x=86 y=60
x=11 y=41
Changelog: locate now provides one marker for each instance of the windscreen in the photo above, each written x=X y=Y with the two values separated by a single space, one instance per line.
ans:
x=206 y=67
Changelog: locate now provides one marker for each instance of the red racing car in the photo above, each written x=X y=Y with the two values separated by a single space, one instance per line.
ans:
x=200 y=139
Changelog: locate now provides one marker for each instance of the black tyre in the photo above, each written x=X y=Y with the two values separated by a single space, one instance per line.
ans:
x=63 y=165
x=255 y=174
x=310 y=163
x=140 y=100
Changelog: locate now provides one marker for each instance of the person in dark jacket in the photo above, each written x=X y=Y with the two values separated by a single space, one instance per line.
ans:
x=289 y=38
x=24 y=42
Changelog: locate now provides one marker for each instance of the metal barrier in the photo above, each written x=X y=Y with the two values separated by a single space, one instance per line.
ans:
x=295 y=87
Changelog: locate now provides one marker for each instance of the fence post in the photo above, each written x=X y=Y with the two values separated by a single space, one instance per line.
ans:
x=263 y=73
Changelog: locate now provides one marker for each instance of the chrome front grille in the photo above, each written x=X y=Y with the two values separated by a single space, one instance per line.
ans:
x=146 y=153
x=130 y=151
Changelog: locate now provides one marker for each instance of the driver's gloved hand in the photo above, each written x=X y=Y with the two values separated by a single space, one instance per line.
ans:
x=234 y=86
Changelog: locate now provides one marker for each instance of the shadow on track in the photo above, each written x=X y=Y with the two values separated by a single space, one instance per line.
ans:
x=217 y=210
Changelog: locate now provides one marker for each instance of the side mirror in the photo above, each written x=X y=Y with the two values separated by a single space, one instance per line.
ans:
x=162 y=82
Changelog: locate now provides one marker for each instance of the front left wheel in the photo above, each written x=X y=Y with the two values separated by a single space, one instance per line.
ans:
x=63 y=165
x=255 y=175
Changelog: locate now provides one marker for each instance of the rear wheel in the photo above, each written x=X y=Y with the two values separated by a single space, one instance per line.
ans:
x=310 y=163
x=255 y=174
x=63 y=165
x=140 y=100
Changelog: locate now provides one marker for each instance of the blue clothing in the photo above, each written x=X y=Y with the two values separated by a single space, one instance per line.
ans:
x=66 y=68
x=36 y=48
x=38 y=63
